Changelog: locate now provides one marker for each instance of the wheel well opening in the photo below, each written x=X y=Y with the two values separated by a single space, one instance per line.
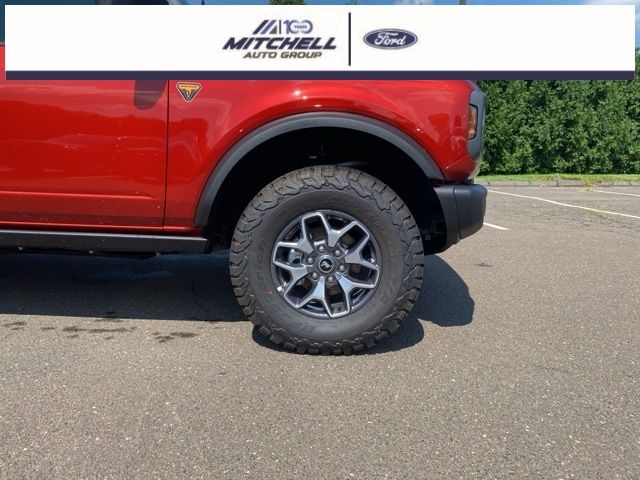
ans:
x=325 y=146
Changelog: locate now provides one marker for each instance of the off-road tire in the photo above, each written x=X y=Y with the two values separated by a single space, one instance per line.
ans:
x=359 y=195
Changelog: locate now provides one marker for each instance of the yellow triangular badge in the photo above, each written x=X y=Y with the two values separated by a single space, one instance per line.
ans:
x=188 y=90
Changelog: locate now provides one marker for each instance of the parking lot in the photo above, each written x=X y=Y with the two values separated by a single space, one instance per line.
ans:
x=521 y=359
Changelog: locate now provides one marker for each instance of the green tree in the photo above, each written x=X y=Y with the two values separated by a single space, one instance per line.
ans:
x=563 y=126
x=287 y=2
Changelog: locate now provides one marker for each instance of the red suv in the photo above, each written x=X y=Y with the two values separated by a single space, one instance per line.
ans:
x=327 y=193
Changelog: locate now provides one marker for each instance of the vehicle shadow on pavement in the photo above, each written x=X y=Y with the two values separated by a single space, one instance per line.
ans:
x=170 y=287
x=185 y=287
x=444 y=298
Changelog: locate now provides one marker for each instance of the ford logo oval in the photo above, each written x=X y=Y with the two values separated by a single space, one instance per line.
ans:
x=390 y=38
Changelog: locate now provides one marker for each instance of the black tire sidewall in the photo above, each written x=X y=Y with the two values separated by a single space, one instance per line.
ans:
x=283 y=318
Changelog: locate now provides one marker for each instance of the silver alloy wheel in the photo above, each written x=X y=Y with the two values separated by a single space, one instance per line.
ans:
x=326 y=264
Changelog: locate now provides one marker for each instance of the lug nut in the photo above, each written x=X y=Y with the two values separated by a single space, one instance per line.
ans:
x=315 y=275
x=331 y=279
x=321 y=249
x=342 y=268
x=337 y=253
x=310 y=260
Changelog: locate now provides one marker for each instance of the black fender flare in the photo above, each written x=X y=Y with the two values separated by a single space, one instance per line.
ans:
x=302 y=121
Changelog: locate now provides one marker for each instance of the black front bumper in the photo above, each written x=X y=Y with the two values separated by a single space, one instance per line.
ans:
x=463 y=208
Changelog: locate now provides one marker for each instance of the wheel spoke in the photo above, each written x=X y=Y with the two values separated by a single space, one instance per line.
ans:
x=348 y=285
x=318 y=293
x=366 y=264
x=297 y=272
x=303 y=244
x=333 y=235
x=354 y=255
x=338 y=234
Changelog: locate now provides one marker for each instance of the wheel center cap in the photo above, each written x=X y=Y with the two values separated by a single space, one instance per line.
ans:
x=326 y=265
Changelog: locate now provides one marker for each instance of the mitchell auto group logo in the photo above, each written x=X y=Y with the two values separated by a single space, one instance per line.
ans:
x=281 y=39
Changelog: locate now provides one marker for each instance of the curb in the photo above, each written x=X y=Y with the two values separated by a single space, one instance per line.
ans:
x=555 y=183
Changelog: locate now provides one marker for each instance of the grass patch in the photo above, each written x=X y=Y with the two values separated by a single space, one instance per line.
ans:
x=586 y=178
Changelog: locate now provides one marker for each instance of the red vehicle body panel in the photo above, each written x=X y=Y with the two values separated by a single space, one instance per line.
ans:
x=434 y=113
x=80 y=154
x=135 y=156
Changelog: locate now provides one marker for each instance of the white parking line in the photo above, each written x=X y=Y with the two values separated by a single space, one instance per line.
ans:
x=497 y=227
x=615 y=193
x=567 y=204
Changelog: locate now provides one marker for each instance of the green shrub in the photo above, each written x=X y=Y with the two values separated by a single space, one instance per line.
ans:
x=562 y=126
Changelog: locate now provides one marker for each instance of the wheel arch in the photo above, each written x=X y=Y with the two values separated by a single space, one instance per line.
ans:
x=302 y=121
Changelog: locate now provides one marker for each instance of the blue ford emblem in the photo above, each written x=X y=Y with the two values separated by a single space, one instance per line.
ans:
x=390 y=38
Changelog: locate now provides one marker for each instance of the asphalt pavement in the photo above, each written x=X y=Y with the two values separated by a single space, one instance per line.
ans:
x=521 y=360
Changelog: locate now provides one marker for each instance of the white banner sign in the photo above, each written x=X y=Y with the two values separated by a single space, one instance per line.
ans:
x=338 y=41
